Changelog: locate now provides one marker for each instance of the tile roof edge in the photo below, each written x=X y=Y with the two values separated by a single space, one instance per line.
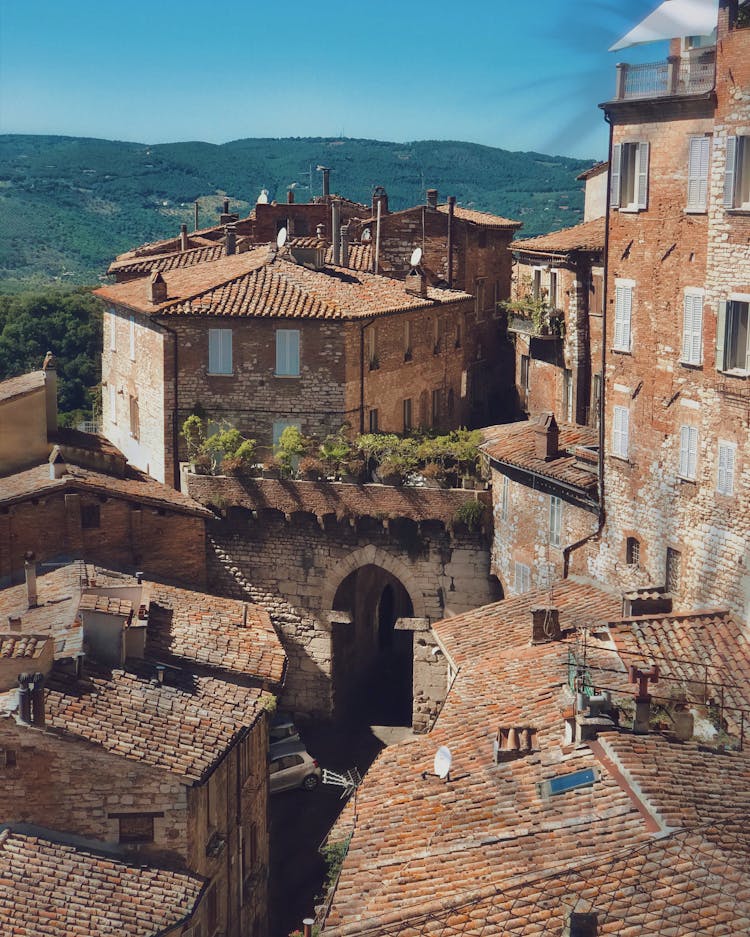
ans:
x=606 y=754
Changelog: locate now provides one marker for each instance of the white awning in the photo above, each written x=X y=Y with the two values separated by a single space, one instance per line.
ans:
x=673 y=19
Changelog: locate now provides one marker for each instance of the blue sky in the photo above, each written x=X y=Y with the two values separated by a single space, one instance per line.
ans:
x=518 y=75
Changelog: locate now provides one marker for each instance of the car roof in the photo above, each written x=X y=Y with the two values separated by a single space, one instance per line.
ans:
x=279 y=749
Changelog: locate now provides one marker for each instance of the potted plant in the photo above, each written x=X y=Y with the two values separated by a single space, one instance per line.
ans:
x=195 y=439
x=311 y=469
x=353 y=470
x=335 y=450
x=291 y=447
x=271 y=467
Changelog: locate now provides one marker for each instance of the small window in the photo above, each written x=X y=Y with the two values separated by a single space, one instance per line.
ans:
x=688 y=451
x=692 y=327
x=457 y=342
x=620 y=431
x=112 y=403
x=90 y=516
x=596 y=299
x=7 y=757
x=568 y=782
x=522 y=578
x=135 y=418
x=287 y=352
x=737 y=173
x=672 y=578
x=629 y=176
x=725 y=469
x=555 y=520
x=698 y=159
x=536 y=283
x=623 y=314
x=136 y=827
x=219 y=351
x=552 y=301
x=407 y=341
x=373 y=420
x=132 y=338
x=407 y=414
x=733 y=337
x=633 y=552
x=505 y=498
x=437 y=334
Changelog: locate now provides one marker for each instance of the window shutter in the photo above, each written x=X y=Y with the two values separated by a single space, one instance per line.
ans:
x=688 y=451
x=614 y=176
x=730 y=171
x=725 y=477
x=280 y=351
x=698 y=159
x=721 y=328
x=642 y=190
x=620 y=431
x=692 y=328
x=293 y=352
x=623 y=310
x=226 y=351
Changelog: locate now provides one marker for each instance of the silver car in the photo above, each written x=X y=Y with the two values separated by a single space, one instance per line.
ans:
x=291 y=766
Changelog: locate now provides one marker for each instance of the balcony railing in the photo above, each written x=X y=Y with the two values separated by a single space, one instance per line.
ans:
x=536 y=321
x=677 y=76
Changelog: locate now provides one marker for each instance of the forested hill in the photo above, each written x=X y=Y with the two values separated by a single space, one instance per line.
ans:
x=69 y=204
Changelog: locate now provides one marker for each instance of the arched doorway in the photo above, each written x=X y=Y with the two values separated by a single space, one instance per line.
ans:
x=372 y=660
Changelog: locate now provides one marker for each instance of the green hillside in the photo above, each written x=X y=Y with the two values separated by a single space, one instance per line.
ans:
x=69 y=204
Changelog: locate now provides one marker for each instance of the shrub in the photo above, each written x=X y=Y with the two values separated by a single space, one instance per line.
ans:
x=470 y=513
x=292 y=444
x=311 y=468
x=194 y=435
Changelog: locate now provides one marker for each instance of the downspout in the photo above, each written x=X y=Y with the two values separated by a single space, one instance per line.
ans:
x=175 y=410
x=602 y=512
x=451 y=206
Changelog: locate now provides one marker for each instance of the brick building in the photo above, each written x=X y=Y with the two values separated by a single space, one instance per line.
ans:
x=70 y=495
x=264 y=339
x=147 y=732
x=676 y=471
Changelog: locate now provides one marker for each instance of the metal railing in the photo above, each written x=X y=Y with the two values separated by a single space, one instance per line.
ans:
x=675 y=76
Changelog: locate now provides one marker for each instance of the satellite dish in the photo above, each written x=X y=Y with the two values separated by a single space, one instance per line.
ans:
x=263 y=197
x=367 y=235
x=416 y=256
x=443 y=761
x=281 y=238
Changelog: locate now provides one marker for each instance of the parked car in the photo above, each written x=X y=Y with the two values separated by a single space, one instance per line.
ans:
x=282 y=729
x=290 y=766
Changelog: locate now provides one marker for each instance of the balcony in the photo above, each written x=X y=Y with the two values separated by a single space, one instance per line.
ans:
x=535 y=320
x=676 y=77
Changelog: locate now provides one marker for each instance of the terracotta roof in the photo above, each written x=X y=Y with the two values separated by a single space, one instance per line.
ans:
x=482 y=218
x=50 y=888
x=21 y=385
x=360 y=257
x=106 y=605
x=184 y=726
x=595 y=170
x=224 y=634
x=514 y=444
x=58 y=594
x=262 y=282
x=30 y=646
x=141 y=266
x=587 y=236
x=135 y=486
x=341 y=500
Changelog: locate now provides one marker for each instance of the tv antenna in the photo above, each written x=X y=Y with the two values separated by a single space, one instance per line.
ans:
x=349 y=781
x=416 y=257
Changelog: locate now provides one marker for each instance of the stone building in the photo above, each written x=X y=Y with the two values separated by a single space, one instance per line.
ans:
x=69 y=495
x=147 y=732
x=677 y=386
x=266 y=339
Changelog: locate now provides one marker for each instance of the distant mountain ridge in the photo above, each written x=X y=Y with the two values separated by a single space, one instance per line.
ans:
x=69 y=204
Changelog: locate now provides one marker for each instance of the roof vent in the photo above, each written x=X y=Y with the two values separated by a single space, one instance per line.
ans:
x=545 y=623
x=513 y=742
x=583 y=924
x=546 y=437
x=157 y=289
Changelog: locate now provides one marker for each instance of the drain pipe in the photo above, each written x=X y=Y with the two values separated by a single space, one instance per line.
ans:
x=451 y=207
x=362 y=372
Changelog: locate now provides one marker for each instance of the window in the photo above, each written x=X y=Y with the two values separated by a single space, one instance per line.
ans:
x=373 y=420
x=737 y=173
x=135 y=418
x=504 y=498
x=555 y=520
x=407 y=414
x=688 y=451
x=480 y=301
x=596 y=302
x=567 y=401
x=620 y=427
x=90 y=516
x=136 y=827
x=733 y=336
x=287 y=352
x=672 y=577
x=219 y=351
x=113 y=403
x=552 y=302
x=725 y=471
x=436 y=408
x=132 y=338
x=633 y=551
x=112 y=329
x=623 y=314
x=522 y=578
x=629 y=176
x=457 y=343
x=8 y=757
x=407 y=341
x=536 y=283
x=698 y=157
x=372 y=347
x=692 y=327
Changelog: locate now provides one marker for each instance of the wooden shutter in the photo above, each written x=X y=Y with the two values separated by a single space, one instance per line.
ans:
x=281 y=351
x=614 y=176
x=698 y=172
x=692 y=328
x=226 y=351
x=642 y=180
x=721 y=328
x=293 y=351
x=688 y=451
x=623 y=312
x=730 y=171
x=725 y=476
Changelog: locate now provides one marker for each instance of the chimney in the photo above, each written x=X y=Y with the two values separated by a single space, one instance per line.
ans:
x=37 y=699
x=432 y=198
x=326 y=181
x=56 y=463
x=336 y=232
x=643 y=698
x=24 y=698
x=157 y=289
x=320 y=231
x=50 y=391
x=183 y=237
x=545 y=621
x=416 y=282
x=379 y=197
x=290 y=197
x=231 y=239
x=226 y=206
x=226 y=217
x=14 y=623
x=29 y=566
x=546 y=437
x=344 y=245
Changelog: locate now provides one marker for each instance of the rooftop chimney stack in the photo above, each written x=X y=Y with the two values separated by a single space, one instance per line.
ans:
x=451 y=209
x=336 y=232
x=432 y=198
x=416 y=282
x=183 y=238
x=641 y=724
x=379 y=197
x=14 y=624
x=290 y=197
x=226 y=216
x=545 y=620
x=50 y=391
x=157 y=289
x=344 y=245
x=231 y=239
x=37 y=699
x=29 y=566
x=546 y=436
x=24 y=698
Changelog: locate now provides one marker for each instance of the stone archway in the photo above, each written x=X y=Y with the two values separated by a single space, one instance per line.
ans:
x=373 y=556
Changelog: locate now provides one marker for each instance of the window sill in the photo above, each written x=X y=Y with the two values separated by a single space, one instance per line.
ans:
x=739 y=210
x=692 y=365
x=621 y=351
x=696 y=211
x=219 y=374
x=725 y=494
x=629 y=209
x=293 y=377
x=683 y=479
x=621 y=458
x=736 y=372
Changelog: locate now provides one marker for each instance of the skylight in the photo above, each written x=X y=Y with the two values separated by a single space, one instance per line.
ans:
x=567 y=782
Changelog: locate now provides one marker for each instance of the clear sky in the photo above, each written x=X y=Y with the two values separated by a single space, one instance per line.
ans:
x=519 y=75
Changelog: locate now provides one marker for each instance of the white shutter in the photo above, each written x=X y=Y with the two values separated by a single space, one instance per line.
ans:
x=692 y=328
x=725 y=475
x=614 y=176
x=620 y=427
x=642 y=180
x=730 y=171
x=698 y=172
x=721 y=328
x=623 y=311
x=688 y=451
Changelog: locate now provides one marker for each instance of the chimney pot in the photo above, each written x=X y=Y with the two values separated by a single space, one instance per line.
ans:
x=545 y=624
x=432 y=198
x=546 y=437
x=226 y=206
x=139 y=576
x=344 y=245
x=183 y=237
x=37 y=699
x=157 y=289
x=24 y=698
